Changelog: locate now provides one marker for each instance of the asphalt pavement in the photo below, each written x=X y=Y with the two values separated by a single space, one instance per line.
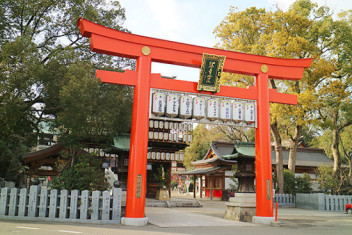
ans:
x=198 y=220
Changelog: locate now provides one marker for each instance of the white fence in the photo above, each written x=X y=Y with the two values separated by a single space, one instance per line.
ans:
x=336 y=202
x=322 y=202
x=285 y=200
x=64 y=205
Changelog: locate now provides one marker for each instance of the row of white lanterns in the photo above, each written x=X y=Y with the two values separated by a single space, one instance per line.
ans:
x=166 y=156
x=156 y=124
x=200 y=107
x=174 y=136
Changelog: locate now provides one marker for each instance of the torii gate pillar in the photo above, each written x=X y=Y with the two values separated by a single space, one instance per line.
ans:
x=146 y=50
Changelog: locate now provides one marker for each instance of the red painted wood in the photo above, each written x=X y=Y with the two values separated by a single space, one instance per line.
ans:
x=263 y=167
x=113 y=42
x=129 y=77
x=137 y=165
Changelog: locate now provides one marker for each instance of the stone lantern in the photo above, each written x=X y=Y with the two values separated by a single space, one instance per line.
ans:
x=242 y=207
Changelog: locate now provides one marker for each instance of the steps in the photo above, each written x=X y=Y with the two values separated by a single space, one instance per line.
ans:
x=172 y=203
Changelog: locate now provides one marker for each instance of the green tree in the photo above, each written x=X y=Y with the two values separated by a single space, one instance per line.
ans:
x=202 y=138
x=85 y=174
x=289 y=179
x=303 y=184
x=331 y=183
x=43 y=61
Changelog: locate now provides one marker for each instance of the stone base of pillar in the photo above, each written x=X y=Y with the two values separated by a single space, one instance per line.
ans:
x=134 y=221
x=262 y=220
x=242 y=207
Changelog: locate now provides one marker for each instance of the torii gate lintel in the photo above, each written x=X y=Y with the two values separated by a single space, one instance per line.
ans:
x=147 y=50
x=129 y=78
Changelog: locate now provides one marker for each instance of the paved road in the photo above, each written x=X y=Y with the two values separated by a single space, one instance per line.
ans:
x=205 y=220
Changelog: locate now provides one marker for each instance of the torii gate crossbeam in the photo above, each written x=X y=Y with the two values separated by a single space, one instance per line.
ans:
x=147 y=50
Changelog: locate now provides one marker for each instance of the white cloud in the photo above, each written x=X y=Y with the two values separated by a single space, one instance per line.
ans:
x=170 y=18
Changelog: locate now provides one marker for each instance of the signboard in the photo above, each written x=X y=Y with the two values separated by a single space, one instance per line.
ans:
x=139 y=186
x=210 y=72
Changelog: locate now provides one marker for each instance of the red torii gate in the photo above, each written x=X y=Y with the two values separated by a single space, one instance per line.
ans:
x=147 y=50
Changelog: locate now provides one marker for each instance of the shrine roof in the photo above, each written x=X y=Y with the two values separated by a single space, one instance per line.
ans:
x=242 y=150
x=122 y=142
x=203 y=171
x=44 y=153
x=215 y=154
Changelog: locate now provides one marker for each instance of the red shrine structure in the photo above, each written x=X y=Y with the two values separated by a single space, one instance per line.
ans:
x=147 y=50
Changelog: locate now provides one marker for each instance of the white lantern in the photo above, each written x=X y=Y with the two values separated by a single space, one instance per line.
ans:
x=225 y=110
x=158 y=155
x=213 y=109
x=161 y=125
x=173 y=156
x=171 y=125
x=171 y=138
x=161 y=136
x=166 y=136
x=166 y=125
x=184 y=137
x=151 y=123
x=249 y=115
x=238 y=111
x=148 y=155
x=172 y=105
x=181 y=156
x=150 y=135
x=156 y=135
x=156 y=124
x=199 y=108
x=186 y=107
x=168 y=156
x=158 y=108
x=162 y=156
x=153 y=155
x=177 y=156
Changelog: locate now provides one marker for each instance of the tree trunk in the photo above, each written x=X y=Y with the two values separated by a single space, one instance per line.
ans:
x=335 y=144
x=293 y=149
x=279 y=158
x=335 y=150
x=350 y=166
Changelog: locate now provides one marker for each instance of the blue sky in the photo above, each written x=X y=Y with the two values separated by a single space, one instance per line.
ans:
x=193 y=22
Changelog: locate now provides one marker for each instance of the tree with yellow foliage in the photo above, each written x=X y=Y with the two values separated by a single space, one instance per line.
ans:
x=304 y=31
